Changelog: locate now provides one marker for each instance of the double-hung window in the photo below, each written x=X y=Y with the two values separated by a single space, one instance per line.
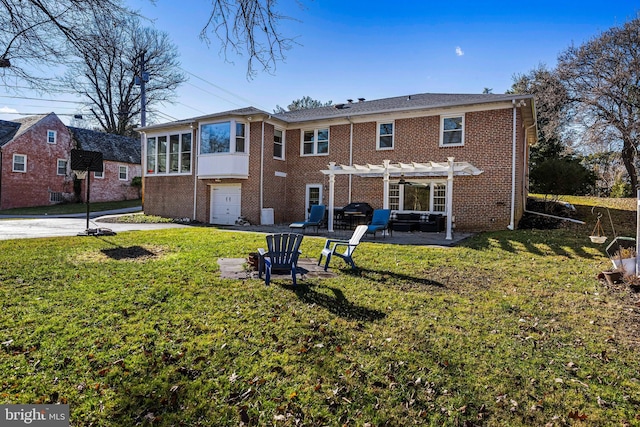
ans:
x=51 y=136
x=224 y=137
x=278 y=144
x=123 y=173
x=315 y=142
x=19 y=163
x=169 y=154
x=385 y=136
x=62 y=167
x=452 y=130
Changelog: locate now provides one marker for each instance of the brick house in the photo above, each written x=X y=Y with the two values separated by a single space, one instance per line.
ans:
x=35 y=163
x=463 y=156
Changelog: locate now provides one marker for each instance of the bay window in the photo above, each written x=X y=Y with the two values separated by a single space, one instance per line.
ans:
x=223 y=137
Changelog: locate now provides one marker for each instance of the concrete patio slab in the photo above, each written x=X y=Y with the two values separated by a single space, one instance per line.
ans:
x=238 y=268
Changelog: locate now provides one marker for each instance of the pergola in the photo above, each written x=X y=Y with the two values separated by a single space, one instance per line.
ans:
x=396 y=170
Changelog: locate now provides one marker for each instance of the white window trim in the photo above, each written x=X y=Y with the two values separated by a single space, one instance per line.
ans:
x=432 y=184
x=126 y=169
x=232 y=138
x=65 y=168
x=315 y=142
x=393 y=135
x=284 y=143
x=449 y=116
x=101 y=176
x=55 y=136
x=167 y=172
x=13 y=163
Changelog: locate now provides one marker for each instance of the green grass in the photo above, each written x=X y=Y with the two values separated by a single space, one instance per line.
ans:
x=70 y=208
x=508 y=329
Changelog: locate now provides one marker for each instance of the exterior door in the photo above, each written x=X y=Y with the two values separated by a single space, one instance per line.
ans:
x=313 y=197
x=225 y=204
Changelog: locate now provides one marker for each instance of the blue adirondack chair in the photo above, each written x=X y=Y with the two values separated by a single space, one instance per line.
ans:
x=281 y=255
x=379 y=221
x=316 y=217
x=343 y=248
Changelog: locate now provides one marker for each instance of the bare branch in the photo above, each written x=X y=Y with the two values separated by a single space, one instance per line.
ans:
x=251 y=28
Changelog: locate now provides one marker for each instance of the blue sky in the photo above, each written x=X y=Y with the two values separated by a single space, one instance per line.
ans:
x=369 y=49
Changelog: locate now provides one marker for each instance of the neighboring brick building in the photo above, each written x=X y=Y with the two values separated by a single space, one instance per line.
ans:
x=465 y=156
x=35 y=163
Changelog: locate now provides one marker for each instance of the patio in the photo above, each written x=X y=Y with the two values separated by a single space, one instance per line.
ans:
x=399 y=238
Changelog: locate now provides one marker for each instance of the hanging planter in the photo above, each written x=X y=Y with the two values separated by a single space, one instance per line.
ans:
x=597 y=235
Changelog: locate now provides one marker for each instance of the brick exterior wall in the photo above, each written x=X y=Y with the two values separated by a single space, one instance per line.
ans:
x=111 y=187
x=33 y=188
x=480 y=202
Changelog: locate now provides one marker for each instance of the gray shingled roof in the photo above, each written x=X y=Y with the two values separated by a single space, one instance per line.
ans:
x=398 y=103
x=113 y=147
x=7 y=131
x=11 y=129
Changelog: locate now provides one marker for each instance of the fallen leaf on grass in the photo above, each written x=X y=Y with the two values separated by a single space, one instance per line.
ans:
x=577 y=416
x=244 y=417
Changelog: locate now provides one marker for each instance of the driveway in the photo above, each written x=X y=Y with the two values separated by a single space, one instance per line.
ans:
x=32 y=226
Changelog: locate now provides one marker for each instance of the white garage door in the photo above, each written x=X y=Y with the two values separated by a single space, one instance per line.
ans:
x=225 y=204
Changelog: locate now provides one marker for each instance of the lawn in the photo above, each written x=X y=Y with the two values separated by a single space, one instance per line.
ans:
x=71 y=208
x=506 y=329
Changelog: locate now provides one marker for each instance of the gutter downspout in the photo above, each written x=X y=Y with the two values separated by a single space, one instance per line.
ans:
x=511 y=225
x=0 y=178
x=350 y=156
x=194 y=134
x=261 y=167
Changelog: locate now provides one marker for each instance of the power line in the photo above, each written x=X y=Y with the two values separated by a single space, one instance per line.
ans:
x=38 y=99
x=245 y=100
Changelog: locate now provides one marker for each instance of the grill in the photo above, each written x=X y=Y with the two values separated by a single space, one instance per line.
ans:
x=352 y=214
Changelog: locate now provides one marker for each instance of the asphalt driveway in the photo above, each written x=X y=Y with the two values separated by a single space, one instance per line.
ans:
x=32 y=226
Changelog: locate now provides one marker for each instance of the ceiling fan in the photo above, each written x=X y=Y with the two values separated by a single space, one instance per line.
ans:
x=402 y=181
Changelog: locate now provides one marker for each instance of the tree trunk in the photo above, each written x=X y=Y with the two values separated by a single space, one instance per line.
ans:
x=628 y=158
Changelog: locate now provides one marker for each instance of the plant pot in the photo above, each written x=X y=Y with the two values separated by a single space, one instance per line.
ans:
x=627 y=265
x=598 y=239
x=612 y=277
x=253 y=260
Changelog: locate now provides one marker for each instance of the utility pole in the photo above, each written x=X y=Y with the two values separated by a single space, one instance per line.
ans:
x=141 y=80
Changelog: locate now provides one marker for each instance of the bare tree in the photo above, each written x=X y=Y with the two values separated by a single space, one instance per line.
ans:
x=550 y=97
x=248 y=27
x=34 y=33
x=109 y=59
x=602 y=78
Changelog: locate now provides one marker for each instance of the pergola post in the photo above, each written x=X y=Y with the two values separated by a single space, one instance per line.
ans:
x=332 y=186
x=450 y=198
x=385 y=181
